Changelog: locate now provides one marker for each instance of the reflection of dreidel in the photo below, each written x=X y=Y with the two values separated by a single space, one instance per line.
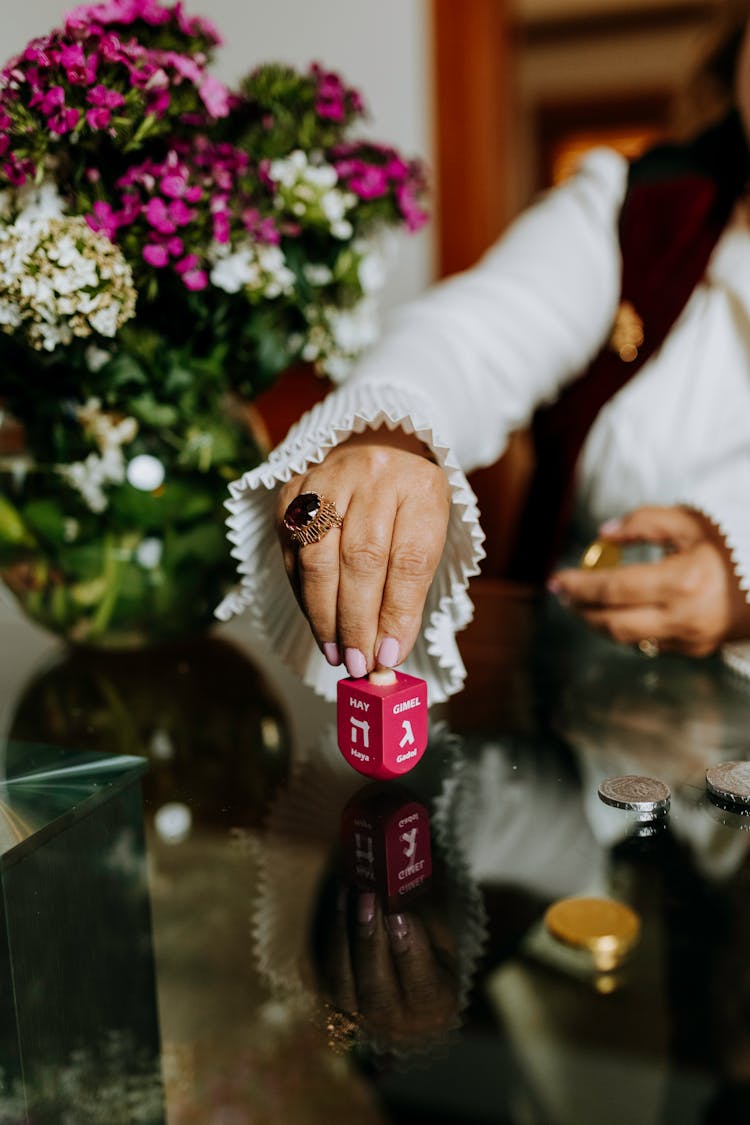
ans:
x=382 y=722
x=385 y=836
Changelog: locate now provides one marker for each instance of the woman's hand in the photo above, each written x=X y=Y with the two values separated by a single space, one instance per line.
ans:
x=689 y=601
x=363 y=587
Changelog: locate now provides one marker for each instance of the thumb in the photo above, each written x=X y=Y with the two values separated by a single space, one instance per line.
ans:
x=677 y=526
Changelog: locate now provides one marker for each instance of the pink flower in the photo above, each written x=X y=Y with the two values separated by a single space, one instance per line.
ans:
x=156 y=255
x=98 y=118
x=196 y=25
x=221 y=227
x=414 y=215
x=103 y=219
x=64 y=121
x=369 y=182
x=104 y=98
x=214 y=96
x=40 y=51
x=79 y=70
x=176 y=247
x=180 y=213
x=193 y=277
x=195 y=280
x=185 y=67
x=332 y=110
x=157 y=216
x=49 y=102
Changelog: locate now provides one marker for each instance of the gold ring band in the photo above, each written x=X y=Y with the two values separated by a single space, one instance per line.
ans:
x=309 y=517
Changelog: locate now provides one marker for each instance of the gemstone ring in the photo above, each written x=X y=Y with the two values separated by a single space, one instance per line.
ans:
x=310 y=516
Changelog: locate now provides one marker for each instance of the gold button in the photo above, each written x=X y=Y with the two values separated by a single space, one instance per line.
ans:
x=627 y=332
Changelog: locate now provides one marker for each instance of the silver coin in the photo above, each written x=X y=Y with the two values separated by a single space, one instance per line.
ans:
x=636 y=793
x=730 y=781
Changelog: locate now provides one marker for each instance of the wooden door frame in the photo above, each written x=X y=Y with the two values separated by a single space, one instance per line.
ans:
x=471 y=60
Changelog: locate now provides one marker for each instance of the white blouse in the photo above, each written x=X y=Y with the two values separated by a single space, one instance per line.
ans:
x=467 y=363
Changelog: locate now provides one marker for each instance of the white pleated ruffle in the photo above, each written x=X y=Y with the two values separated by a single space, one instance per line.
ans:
x=730 y=520
x=264 y=591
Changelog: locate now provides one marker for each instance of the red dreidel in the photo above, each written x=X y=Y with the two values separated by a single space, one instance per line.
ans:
x=382 y=722
x=385 y=837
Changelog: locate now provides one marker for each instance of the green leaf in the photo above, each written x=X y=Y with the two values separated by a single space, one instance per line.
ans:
x=46 y=518
x=159 y=415
x=13 y=530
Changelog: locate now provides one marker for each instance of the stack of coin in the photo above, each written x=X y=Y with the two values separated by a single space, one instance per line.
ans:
x=605 y=929
x=647 y=797
x=728 y=783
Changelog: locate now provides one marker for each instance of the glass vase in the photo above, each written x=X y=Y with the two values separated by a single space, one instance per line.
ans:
x=150 y=567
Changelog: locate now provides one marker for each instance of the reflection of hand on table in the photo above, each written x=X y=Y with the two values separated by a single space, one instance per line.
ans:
x=689 y=601
x=396 y=972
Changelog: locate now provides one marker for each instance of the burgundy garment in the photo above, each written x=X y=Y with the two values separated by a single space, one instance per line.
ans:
x=678 y=202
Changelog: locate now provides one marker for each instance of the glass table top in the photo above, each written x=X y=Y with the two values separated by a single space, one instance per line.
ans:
x=307 y=946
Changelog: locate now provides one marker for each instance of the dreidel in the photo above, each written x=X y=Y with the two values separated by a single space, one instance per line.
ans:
x=382 y=722
x=385 y=839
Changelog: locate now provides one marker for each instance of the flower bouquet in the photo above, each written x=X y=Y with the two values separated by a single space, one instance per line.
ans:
x=168 y=246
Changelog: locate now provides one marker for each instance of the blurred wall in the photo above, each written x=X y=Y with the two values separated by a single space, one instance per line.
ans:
x=383 y=49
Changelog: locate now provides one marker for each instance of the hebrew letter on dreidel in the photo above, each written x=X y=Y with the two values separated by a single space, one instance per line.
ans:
x=364 y=726
x=408 y=738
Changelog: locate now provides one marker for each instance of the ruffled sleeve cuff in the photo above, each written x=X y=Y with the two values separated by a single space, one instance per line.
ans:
x=264 y=591
x=730 y=519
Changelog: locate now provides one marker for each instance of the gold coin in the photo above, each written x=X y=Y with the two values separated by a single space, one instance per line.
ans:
x=600 y=554
x=605 y=928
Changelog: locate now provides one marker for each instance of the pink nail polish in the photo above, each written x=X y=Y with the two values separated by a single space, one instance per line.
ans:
x=356 y=665
x=398 y=931
x=388 y=652
x=332 y=653
x=366 y=911
x=609 y=527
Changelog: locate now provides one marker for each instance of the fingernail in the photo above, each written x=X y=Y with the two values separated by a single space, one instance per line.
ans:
x=398 y=932
x=556 y=587
x=388 y=652
x=609 y=527
x=356 y=665
x=366 y=912
x=332 y=653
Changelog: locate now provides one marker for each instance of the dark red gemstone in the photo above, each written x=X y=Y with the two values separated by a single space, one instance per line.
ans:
x=302 y=511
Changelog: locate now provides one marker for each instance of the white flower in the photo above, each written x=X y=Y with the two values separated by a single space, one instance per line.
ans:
x=106 y=321
x=308 y=190
x=337 y=336
x=148 y=552
x=232 y=272
x=89 y=477
x=371 y=272
x=259 y=268
x=96 y=358
x=36 y=201
x=60 y=279
x=317 y=273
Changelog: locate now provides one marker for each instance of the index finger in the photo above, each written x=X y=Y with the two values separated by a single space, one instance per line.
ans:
x=638 y=584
